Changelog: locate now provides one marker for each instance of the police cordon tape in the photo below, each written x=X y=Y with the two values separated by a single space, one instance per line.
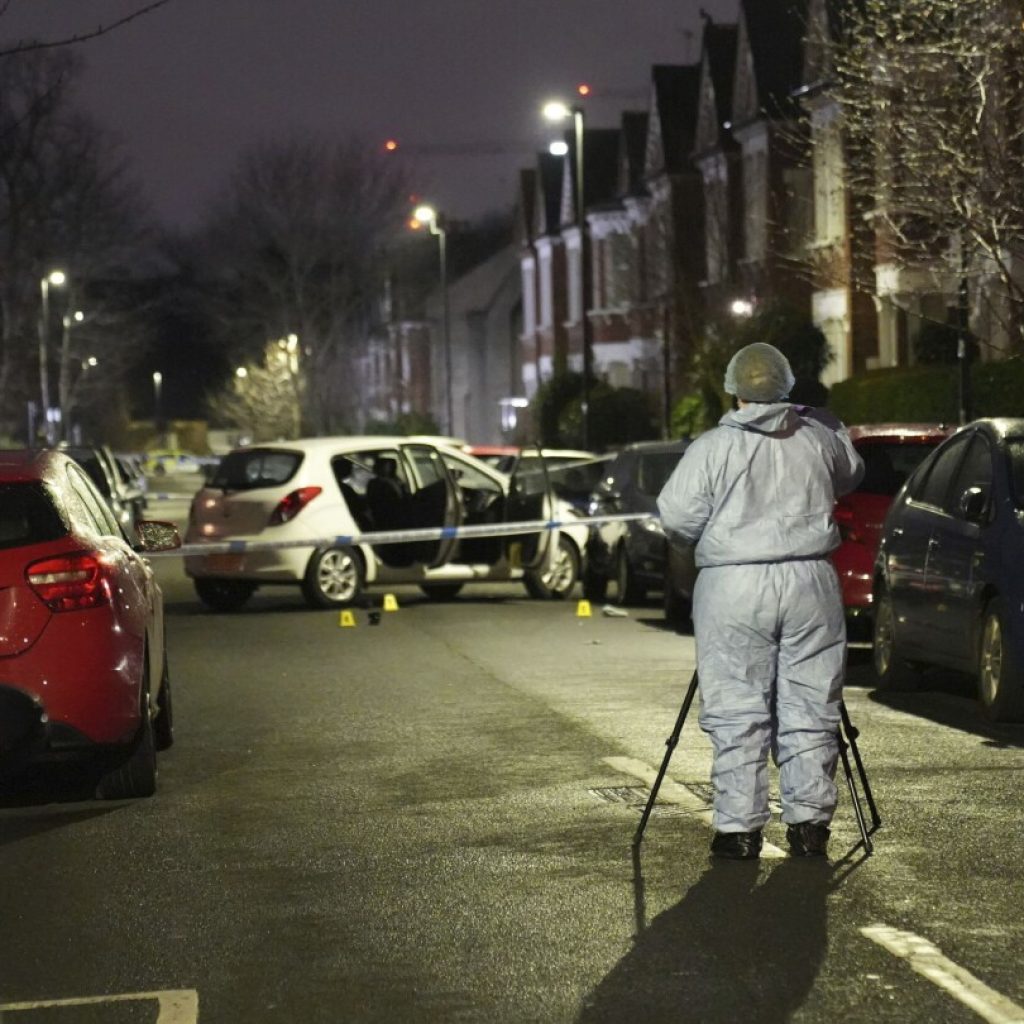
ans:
x=237 y=547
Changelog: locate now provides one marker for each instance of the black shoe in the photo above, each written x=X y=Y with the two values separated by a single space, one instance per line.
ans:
x=737 y=845
x=808 y=839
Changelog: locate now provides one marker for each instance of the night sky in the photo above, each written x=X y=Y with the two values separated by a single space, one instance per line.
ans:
x=189 y=85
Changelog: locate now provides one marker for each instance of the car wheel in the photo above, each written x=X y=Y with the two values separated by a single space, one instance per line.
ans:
x=628 y=588
x=223 y=595
x=163 y=724
x=441 y=591
x=677 y=607
x=334 y=578
x=136 y=775
x=558 y=581
x=893 y=672
x=1000 y=686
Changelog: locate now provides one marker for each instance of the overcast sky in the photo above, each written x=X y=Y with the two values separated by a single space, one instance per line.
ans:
x=189 y=85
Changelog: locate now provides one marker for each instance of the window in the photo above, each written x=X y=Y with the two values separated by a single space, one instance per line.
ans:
x=935 y=487
x=654 y=471
x=95 y=512
x=28 y=515
x=887 y=466
x=1015 y=449
x=975 y=470
x=254 y=468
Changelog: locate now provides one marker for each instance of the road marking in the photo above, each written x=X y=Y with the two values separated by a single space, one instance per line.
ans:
x=677 y=793
x=927 y=959
x=175 y=1006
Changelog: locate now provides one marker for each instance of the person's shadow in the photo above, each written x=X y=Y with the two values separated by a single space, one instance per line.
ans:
x=745 y=943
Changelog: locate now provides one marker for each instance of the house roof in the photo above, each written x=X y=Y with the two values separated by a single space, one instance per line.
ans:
x=632 y=145
x=600 y=171
x=775 y=33
x=549 y=194
x=720 y=52
x=676 y=100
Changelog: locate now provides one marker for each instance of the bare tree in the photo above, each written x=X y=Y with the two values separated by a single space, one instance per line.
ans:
x=932 y=97
x=70 y=39
x=65 y=201
x=297 y=242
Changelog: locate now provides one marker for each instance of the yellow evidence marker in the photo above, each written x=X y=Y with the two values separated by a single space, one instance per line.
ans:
x=583 y=610
x=347 y=619
x=390 y=603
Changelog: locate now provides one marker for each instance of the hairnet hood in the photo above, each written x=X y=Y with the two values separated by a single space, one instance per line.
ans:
x=759 y=373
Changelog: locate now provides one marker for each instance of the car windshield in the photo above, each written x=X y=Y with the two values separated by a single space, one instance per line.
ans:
x=887 y=466
x=1015 y=449
x=28 y=515
x=255 y=468
x=654 y=471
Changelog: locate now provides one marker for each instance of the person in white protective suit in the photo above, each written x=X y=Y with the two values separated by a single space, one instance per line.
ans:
x=756 y=496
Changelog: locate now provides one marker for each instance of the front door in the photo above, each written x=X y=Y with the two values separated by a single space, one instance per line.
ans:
x=530 y=498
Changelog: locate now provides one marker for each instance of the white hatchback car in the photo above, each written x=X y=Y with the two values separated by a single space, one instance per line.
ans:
x=336 y=487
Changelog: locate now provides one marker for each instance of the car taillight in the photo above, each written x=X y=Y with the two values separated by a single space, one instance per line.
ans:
x=846 y=521
x=69 y=583
x=292 y=504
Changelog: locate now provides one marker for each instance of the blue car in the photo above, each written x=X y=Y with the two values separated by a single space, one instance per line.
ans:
x=949 y=577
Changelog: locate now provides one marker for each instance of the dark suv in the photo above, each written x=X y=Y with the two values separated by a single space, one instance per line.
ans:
x=630 y=554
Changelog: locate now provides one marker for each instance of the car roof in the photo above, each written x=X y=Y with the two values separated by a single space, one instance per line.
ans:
x=678 y=445
x=900 y=431
x=28 y=463
x=1000 y=426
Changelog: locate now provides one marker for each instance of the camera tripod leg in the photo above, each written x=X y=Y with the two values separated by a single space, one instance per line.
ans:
x=854 y=796
x=670 y=744
x=851 y=733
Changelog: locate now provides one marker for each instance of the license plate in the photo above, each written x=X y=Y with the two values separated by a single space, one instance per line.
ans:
x=223 y=563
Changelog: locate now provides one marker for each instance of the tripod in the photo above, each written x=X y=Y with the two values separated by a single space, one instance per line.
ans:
x=847 y=744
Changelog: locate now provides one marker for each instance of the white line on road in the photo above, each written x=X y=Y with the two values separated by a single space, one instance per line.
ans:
x=176 y=1006
x=927 y=959
x=676 y=793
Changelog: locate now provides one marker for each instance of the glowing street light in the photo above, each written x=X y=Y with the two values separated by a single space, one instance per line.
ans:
x=556 y=110
x=427 y=216
x=241 y=373
x=741 y=308
x=158 y=380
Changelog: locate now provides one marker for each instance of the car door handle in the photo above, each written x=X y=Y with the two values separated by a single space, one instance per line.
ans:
x=932 y=543
x=897 y=531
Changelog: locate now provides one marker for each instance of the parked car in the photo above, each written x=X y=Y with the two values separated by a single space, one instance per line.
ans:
x=948 y=587
x=124 y=497
x=631 y=554
x=84 y=660
x=336 y=487
x=891 y=452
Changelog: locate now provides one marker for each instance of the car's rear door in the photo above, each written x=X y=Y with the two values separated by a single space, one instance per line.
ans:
x=957 y=550
x=434 y=502
x=909 y=547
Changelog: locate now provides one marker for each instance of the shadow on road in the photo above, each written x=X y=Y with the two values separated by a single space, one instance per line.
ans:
x=746 y=942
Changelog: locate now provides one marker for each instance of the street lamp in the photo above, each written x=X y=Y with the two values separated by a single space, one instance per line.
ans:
x=158 y=379
x=559 y=111
x=56 y=278
x=427 y=215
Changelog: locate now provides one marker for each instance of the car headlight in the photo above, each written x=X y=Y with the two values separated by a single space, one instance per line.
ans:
x=654 y=526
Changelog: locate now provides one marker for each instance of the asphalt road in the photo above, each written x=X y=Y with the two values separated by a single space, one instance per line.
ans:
x=430 y=819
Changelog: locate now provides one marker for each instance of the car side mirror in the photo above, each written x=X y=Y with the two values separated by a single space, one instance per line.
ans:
x=157 y=536
x=974 y=504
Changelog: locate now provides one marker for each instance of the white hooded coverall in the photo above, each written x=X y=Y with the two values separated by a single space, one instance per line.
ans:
x=756 y=496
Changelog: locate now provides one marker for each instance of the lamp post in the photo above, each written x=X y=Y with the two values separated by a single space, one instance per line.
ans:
x=56 y=278
x=435 y=222
x=558 y=111
x=158 y=380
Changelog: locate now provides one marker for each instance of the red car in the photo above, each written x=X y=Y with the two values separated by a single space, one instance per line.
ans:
x=83 y=669
x=890 y=452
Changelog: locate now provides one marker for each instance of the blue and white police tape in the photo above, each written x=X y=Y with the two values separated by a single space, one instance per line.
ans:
x=237 y=547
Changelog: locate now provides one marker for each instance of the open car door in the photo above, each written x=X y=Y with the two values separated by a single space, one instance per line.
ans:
x=530 y=498
x=434 y=501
